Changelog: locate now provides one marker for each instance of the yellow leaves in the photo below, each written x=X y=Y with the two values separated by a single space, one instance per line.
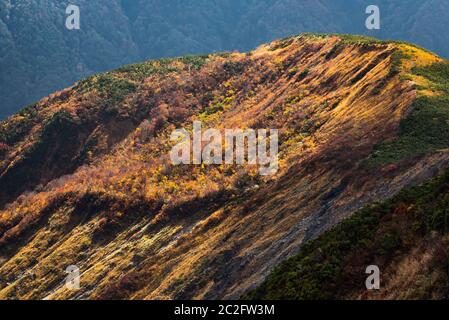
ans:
x=18 y=118
x=417 y=57
x=279 y=60
x=288 y=111
x=189 y=186
x=151 y=193
x=171 y=187
x=228 y=84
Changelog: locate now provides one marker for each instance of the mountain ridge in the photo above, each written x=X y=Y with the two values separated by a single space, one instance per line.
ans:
x=39 y=55
x=103 y=195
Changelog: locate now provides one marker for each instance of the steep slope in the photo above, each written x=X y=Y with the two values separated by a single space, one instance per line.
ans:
x=406 y=236
x=38 y=55
x=103 y=194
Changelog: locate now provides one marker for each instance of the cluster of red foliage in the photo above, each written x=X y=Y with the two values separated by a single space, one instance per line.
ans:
x=3 y=148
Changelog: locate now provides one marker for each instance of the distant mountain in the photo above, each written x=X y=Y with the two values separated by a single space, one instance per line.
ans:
x=86 y=179
x=38 y=55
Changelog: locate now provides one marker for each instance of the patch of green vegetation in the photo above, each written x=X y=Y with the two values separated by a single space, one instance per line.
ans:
x=282 y=43
x=214 y=108
x=346 y=38
x=333 y=264
x=332 y=52
x=195 y=61
x=225 y=54
x=61 y=122
x=12 y=131
x=61 y=125
x=358 y=39
x=438 y=74
x=29 y=111
x=140 y=71
x=303 y=74
x=292 y=99
x=88 y=148
x=426 y=129
x=292 y=72
x=112 y=88
x=396 y=62
x=234 y=67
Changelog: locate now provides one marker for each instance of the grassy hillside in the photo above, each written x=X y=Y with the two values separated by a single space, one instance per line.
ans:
x=86 y=177
x=425 y=129
x=406 y=236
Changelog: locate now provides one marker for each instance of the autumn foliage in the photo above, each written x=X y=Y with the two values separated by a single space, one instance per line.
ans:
x=86 y=178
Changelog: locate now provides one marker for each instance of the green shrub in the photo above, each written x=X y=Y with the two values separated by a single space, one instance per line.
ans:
x=303 y=74
x=426 y=129
x=140 y=71
x=321 y=270
x=12 y=132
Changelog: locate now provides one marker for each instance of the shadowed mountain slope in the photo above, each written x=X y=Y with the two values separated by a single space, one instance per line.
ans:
x=406 y=237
